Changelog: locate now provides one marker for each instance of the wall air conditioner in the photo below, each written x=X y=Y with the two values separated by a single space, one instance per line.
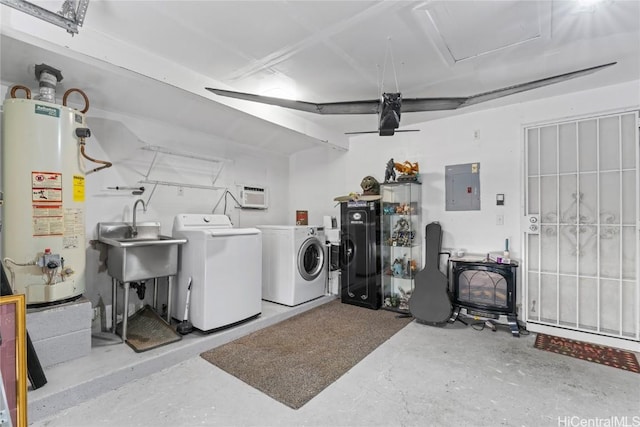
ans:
x=253 y=197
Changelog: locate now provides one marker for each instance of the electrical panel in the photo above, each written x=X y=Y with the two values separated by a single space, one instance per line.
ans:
x=462 y=187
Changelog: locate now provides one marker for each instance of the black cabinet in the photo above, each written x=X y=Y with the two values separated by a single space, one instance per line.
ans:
x=360 y=253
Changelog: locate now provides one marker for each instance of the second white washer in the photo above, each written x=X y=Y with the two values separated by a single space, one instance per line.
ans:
x=225 y=265
x=294 y=263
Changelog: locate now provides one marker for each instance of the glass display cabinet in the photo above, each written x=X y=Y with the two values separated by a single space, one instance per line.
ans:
x=401 y=242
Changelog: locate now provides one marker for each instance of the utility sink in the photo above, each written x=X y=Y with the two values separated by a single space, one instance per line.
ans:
x=134 y=257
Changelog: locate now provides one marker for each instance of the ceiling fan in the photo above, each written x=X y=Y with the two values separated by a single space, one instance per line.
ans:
x=390 y=105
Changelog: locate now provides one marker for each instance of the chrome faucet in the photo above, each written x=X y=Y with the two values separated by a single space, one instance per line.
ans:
x=134 y=226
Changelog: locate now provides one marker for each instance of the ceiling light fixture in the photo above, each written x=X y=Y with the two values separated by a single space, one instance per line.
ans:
x=70 y=17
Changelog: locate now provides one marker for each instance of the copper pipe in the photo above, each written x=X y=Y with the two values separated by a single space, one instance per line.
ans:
x=102 y=162
x=84 y=95
x=18 y=87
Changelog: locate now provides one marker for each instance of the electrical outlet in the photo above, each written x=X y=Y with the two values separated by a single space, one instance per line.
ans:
x=499 y=219
x=180 y=191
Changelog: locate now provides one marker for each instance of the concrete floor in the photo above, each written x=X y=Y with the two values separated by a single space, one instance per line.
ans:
x=422 y=376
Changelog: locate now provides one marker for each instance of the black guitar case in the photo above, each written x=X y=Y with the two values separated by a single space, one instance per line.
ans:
x=430 y=302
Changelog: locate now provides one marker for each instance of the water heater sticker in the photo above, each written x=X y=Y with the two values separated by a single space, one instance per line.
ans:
x=46 y=187
x=47 y=111
x=47 y=226
x=48 y=210
x=73 y=223
x=78 y=188
x=71 y=242
x=46 y=195
x=46 y=180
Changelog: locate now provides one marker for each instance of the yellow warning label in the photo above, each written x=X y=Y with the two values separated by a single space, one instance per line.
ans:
x=78 y=188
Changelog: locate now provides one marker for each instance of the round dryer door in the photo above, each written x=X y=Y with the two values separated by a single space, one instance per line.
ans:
x=311 y=259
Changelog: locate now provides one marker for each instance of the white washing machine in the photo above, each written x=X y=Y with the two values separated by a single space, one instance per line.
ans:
x=225 y=266
x=294 y=263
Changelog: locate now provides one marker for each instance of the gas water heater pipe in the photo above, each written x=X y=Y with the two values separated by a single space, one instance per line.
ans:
x=48 y=77
x=84 y=95
x=6 y=261
x=16 y=88
x=83 y=133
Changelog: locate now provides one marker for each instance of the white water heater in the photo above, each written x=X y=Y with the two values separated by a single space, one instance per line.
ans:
x=43 y=233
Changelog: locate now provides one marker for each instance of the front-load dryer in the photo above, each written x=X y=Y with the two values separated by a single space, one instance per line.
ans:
x=294 y=263
x=223 y=265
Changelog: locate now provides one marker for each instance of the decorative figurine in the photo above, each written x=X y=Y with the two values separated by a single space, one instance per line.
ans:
x=402 y=234
x=392 y=301
x=397 y=268
x=408 y=170
x=370 y=186
x=402 y=225
x=403 y=209
x=404 y=299
x=371 y=191
x=390 y=173
x=413 y=266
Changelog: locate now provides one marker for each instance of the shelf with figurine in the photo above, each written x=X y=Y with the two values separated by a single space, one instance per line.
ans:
x=398 y=273
x=398 y=231
x=401 y=267
x=401 y=242
x=391 y=208
x=397 y=294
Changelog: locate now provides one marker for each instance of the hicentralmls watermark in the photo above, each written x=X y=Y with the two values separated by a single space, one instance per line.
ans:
x=615 y=421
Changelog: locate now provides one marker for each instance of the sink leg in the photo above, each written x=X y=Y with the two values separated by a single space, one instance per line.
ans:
x=155 y=293
x=169 y=297
x=114 y=304
x=125 y=314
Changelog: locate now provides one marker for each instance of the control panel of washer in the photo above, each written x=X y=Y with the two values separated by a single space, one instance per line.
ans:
x=314 y=231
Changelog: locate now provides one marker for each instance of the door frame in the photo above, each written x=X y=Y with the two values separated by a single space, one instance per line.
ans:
x=618 y=342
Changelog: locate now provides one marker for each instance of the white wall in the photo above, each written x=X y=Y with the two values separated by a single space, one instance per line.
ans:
x=447 y=142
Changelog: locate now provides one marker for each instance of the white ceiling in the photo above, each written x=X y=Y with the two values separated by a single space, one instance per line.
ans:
x=319 y=51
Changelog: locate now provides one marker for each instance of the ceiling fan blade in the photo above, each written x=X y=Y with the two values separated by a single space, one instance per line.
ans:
x=379 y=132
x=412 y=105
x=510 y=90
x=371 y=106
x=348 y=107
x=361 y=132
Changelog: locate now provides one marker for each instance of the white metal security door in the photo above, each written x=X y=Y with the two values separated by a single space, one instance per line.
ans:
x=582 y=229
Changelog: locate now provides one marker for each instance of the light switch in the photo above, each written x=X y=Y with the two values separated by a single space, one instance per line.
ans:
x=500 y=199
